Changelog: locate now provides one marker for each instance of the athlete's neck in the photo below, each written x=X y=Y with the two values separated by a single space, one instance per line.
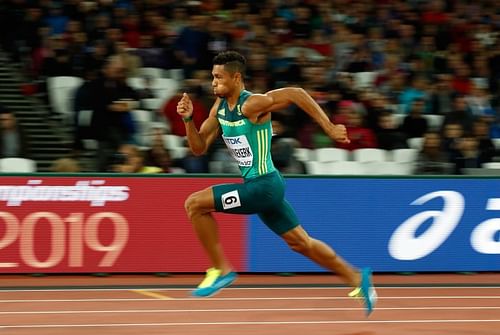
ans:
x=233 y=98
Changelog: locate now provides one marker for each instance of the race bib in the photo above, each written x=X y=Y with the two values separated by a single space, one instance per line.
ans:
x=240 y=149
x=231 y=200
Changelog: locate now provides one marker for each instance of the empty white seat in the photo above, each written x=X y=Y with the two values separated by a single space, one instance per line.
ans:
x=491 y=165
x=142 y=119
x=344 y=168
x=176 y=74
x=416 y=143
x=152 y=104
x=178 y=152
x=434 y=121
x=370 y=155
x=152 y=72
x=496 y=142
x=303 y=154
x=387 y=168
x=163 y=88
x=398 y=118
x=331 y=154
x=407 y=155
x=171 y=141
x=315 y=167
x=364 y=79
x=61 y=92
x=17 y=164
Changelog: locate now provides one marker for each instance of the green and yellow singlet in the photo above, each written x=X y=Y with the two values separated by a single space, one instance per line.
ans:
x=248 y=143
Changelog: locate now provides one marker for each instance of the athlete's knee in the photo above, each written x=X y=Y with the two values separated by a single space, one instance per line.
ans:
x=193 y=206
x=302 y=244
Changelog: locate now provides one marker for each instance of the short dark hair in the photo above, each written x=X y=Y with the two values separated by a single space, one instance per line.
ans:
x=233 y=61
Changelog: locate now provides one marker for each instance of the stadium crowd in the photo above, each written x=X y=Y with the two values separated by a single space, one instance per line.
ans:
x=380 y=67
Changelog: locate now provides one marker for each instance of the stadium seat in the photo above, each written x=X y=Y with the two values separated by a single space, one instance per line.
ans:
x=434 y=121
x=173 y=141
x=491 y=165
x=142 y=119
x=303 y=154
x=331 y=154
x=61 y=92
x=315 y=167
x=398 y=118
x=344 y=168
x=406 y=158
x=416 y=143
x=370 y=155
x=408 y=155
x=387 y=168
x=364 y=79
x=152 y=72
x=496 y=142
x=163 y=88
x=17 y=164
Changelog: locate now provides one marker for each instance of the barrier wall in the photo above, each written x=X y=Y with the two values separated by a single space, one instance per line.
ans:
x=138 y=224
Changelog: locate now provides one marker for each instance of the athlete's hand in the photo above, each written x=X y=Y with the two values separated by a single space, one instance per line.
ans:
x=338 y=133
x=185 y=106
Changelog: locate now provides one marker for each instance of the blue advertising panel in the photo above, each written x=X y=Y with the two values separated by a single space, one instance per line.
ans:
x=448 y=224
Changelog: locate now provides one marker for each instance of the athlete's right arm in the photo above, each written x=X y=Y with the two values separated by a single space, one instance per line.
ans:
x=199 y=141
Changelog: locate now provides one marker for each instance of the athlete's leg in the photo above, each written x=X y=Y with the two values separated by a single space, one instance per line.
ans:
x=199 y=207
x=322 y=254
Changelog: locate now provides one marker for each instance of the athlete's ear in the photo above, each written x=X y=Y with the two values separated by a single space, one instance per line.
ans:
x=238 y=76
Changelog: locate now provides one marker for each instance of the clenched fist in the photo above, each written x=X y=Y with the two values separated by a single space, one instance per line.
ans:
x=338 y=133
x=185 y=106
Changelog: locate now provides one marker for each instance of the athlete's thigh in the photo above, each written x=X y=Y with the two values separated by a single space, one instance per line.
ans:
x=281 y=218
x=239 y=199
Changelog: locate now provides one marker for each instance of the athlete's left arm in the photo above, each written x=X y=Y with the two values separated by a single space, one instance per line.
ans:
x=259 y=104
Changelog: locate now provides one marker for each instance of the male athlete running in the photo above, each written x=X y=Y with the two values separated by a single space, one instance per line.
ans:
x=245 y=121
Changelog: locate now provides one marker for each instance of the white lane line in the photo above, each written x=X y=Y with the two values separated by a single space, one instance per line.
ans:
x=242 y=323
x=248 y=288
x=239 y=310
x=245 y=299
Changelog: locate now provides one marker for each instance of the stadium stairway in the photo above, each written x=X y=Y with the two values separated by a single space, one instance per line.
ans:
x=48 y=139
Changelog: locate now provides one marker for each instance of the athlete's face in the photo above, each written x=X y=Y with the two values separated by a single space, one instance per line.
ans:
x=224 y=82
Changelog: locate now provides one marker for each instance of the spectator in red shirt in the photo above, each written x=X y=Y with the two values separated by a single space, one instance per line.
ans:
x=360 y=136
x=169 y=110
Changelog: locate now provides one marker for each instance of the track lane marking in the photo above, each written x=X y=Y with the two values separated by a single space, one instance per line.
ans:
x=238 y=310
x=250 y=323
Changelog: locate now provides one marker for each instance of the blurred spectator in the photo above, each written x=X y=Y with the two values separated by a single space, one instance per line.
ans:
x=360 y=136
x=157 y=155
x=442 y=95
x=486 y=146
x=452 y=44
x=389 y=137
x=468 y=155
x=459 y=114
x=283 y=148
x=432 y=159
x=65 y=165
x=132 y=62
x=479 y=100
x=415 y=124
x=416 y=90
x=13 y=141
x=452 y=133
x=111 y=101
x=192 y=45
x=129 y=159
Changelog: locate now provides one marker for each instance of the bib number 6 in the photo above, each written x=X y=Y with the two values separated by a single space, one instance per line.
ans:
x=231 y=200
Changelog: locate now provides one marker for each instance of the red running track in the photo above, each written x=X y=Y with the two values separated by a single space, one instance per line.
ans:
x=257 y=304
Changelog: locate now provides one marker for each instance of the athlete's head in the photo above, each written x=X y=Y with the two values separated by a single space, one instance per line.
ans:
x=227 y=72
